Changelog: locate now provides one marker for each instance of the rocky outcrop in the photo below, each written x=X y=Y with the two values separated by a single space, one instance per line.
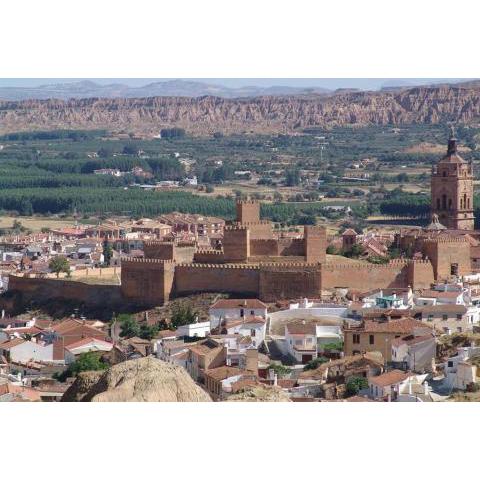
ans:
x=268 y=114
x=260 y=393
x=142 y=380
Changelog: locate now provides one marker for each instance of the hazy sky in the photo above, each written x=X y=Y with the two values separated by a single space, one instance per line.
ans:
x=330 y=83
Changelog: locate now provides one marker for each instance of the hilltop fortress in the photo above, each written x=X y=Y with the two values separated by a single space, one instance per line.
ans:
x=252 y=261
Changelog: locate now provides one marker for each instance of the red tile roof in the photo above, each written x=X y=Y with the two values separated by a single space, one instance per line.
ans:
x=390 y=378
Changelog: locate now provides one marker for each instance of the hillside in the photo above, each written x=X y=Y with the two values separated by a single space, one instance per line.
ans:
x=266 y=114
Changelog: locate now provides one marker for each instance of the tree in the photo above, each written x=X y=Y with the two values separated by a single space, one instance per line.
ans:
x=355 y=384
x=280 y=370
x=59 y=264
x=107 y=252
x=331 y=250
x=104 y=152
x=292 y=177
x=129 y=327
x=182 y=315
x=86 y=362
x=148 y=332
x=315 y=363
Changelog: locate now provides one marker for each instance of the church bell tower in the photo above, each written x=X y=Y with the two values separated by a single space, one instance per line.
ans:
x=452 y=189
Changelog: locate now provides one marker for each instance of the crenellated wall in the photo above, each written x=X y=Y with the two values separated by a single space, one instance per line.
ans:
x=236 y=279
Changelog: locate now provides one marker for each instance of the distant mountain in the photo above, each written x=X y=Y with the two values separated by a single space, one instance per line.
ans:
x=203 y=115
x=167 y=88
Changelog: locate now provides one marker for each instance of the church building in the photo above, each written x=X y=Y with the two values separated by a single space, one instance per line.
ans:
x=452 y=190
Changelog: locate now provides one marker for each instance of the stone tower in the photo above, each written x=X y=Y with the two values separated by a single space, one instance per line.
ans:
x=452 y=189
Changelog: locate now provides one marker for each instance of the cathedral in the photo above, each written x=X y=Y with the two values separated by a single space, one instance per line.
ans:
x=452 y=190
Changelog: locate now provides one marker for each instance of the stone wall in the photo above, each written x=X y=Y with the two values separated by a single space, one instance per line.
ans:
x=315 y=243
x=236 y=244
x=236 y=279
x=169 y=251
x=447 y=253
x=286 y=281
x=147 y=281
x=44 y=289
x=248 y=211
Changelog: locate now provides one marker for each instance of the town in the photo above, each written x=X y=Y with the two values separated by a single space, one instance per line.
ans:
x=241 y=310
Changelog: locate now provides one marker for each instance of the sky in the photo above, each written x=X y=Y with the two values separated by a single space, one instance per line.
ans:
x=330 y=83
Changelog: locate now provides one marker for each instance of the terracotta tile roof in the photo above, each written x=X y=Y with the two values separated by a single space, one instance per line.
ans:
x=349 y=231
x=411 y=340
x=221 y=373
x=403 y=325
x=448 y=308
x=8 y=344
x=437 y=294
x=301 y=328
x=390 y=378
x=86 y=341
x=252 y=303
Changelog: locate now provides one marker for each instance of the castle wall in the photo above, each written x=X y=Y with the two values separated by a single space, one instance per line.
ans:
x=208 y=256
x=445 y=253
x=365 y=277
x=236 y=279
x=236 y=244
x=43 y=289
x=264 y=247
x=147 y=281
x=169 y=251
x=248 y=211
x=315 y=243
x=289 y=281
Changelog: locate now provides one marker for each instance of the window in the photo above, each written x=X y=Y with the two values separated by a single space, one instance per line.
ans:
x=430 y=318
x=459 y=316
x=371 y=339
x=356 y=338
x=252 y=312
x=444 y=317
x=242 y=312
x=459 y=329
x=252 y=332
x=450 y=364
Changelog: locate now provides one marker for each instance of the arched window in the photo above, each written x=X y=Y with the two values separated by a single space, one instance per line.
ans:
x=438 y=204
x=468 y=203
x=449 y=203
x=444 y=202
x=464 y=200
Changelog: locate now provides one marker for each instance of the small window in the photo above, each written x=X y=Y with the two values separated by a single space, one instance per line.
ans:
x=444 y=317
x=356 y=338
x=450 y=364
x=371 y=339
x=459 y=316
x=459 y=329
x=430 y=318
x=252 y=312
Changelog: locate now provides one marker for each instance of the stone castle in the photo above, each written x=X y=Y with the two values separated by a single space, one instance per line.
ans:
x=252 y=261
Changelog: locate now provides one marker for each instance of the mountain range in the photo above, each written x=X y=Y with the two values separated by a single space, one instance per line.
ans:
x=167 y=88
x=275 y=113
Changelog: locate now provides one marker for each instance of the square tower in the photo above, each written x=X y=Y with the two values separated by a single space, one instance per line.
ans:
x=452 y=190
x=248 y=211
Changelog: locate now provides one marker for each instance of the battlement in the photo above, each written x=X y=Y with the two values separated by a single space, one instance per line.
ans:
x=215 y=266
x=208 y=251
x=154 y=243
x=253 y=224
x=235 y=227
x=247 y=202
x=125 y=260
x=290 y=265
x=447 y=239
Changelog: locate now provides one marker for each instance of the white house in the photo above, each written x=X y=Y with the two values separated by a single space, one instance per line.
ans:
x=225 y=309
x=197 y=329
x=86 y=345
x=253 y=327
x=416 y=353
x=19 y=350
x=301 y=341
x=459 y=371
x=398 y=386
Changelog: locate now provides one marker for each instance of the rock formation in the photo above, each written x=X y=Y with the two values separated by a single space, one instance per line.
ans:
x=268 y=114
x=142 y=380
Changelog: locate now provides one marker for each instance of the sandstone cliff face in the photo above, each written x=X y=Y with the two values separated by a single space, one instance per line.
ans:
x=142 y=380
x=271 y=114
